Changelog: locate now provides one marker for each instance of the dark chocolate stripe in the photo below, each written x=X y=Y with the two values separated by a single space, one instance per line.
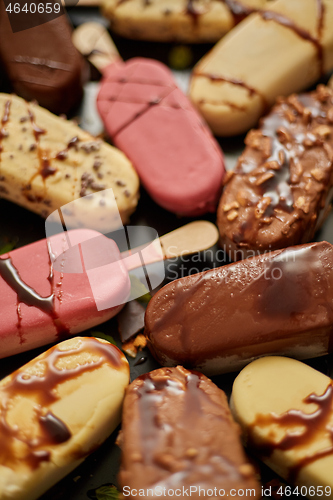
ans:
x=312 y=423
x=235 y=81
x=268 y=15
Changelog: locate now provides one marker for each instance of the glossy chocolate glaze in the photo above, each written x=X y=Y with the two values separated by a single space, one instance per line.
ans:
x=218 y=320
x=42 y=63
x=282 y=185
x=312 y=424
x=178 y=431
x=49 y=430
x=234 y=81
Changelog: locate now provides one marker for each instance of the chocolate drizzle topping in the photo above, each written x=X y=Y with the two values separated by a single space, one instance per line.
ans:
x=268 y=15
x=45 y=168
x=28 y=296
x=51 y=430
x=312 y=423
x=234 y=81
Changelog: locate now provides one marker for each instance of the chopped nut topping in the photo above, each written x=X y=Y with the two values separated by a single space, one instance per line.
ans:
x=323 y=93
x=318 y=174
x=272 y=165
x=267 y=220
x=261 y=207
x=283 y=135
x=306 y=118
x=298 y=106
x=302 y=204
x=297 y=171
x=290 y=116
x=282 y=156
x=322 y=131
x=264 y=178
x=246 y=470
x=308 y=185
x=232 y=215
x=329 y=151
x=191 y=453
x=229 y=206
x=227 y=177
x=253 y=139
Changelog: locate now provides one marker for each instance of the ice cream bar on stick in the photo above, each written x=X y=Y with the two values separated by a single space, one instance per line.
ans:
x=284 y=48
x=178 y=433
x=47 y=162
x=41 y=61
x=148 y=117
x=78 y=279
x=285 y=409
x=277 y=303
x=55 y=411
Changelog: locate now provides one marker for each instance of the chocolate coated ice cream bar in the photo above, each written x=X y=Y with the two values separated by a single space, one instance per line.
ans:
x=218 y=321
x=281 y=190
x=41 y=62
x=178 y=434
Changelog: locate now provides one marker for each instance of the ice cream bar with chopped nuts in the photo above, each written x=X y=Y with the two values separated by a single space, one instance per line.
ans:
x=188 y=21
x=178 y=433
x=281 y=189
x=41 y=61
x=55 y=411
x=284 y=48
x=47 y=162
x=277 y=303
x=285 y=409
x=149 y=118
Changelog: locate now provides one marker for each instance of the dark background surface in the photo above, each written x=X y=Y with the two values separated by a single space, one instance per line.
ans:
x=24 y=227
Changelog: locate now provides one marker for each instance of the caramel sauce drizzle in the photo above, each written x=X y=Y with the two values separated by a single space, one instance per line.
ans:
x=45 y=167
x=313 y=423
x=268 y=15
x=52 y=430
